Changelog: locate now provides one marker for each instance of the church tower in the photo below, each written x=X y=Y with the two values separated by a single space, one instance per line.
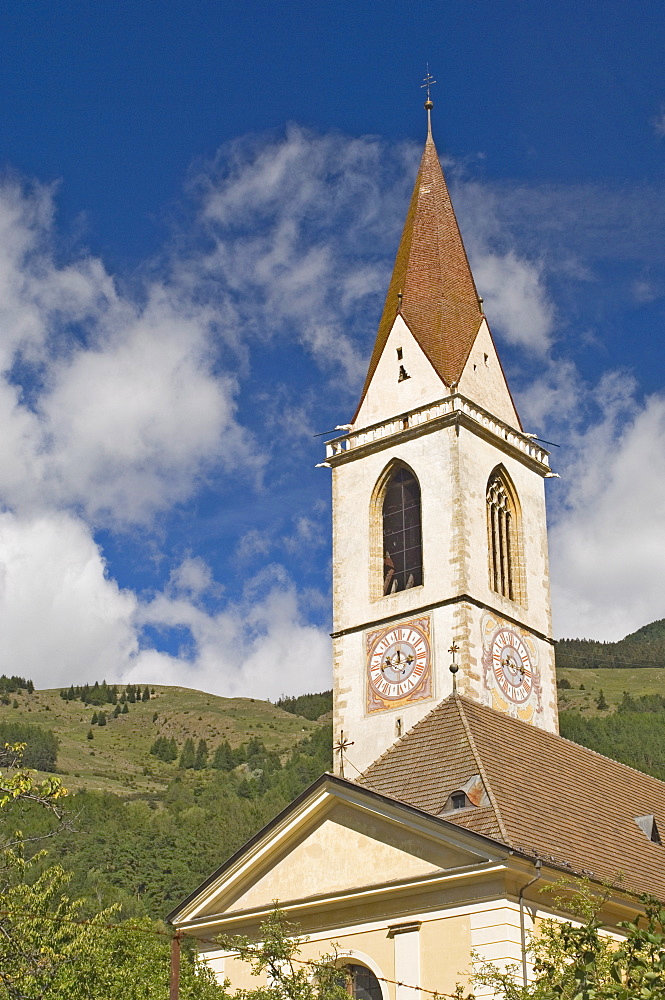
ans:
x=440 y=567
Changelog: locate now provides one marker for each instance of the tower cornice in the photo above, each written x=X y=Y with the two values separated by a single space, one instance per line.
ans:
x=451 y=410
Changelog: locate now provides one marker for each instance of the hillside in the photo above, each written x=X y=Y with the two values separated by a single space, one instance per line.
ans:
x=142 y=831
x=586 y=685
x=117 y=758
x=642 y=649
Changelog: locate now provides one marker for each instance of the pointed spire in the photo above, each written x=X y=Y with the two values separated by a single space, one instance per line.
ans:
x=432 y=286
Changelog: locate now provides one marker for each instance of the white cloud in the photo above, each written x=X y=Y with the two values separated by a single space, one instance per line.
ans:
x=296 y=222
x=192 y=578
x=114 y=407
x=260 y=645
x=511 y=280
x=137 y=419
x=119 y=411
x=516 y=300
x=61 y=618
x=608 y=534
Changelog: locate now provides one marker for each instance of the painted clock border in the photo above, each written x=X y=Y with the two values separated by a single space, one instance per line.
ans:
x=385 y=688
x=510 y=667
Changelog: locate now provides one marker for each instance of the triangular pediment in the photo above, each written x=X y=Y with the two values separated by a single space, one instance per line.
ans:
x=483 y=380
x=333 y=843
x=404 y=379
x=347 y=850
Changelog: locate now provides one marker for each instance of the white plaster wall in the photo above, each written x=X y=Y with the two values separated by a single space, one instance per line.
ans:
x=407 y=964
x=373 y=733
x=496 y=938
x=478 y=458
x=453 y=470
x=386 y=396
x=453 y=466
x=431 y=459
x=483 y=380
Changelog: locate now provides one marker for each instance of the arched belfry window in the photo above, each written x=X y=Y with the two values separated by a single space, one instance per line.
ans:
x=503 y=537
x=402 y=533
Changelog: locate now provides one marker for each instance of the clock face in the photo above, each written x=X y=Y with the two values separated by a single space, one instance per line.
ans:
x=512 y=665
x=398 y=663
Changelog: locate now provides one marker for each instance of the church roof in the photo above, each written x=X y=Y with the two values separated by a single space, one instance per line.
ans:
x=545 y=796
x=439 y=301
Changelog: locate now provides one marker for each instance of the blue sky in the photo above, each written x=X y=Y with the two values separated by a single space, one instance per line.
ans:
x=199 y=208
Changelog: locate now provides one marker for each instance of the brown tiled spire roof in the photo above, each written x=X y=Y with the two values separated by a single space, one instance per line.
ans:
x=548 y=797
x=439 y=301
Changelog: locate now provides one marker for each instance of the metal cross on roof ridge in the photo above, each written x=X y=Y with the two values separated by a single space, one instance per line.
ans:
x=429 y=81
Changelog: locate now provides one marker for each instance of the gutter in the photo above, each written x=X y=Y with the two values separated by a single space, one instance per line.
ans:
x=539 y=865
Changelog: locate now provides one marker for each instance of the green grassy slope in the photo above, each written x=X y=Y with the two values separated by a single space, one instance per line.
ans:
x=118 y=757
x=143 y=832
x=637 y=681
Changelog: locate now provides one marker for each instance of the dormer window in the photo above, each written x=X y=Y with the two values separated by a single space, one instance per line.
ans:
x=470 y=795
x=649 y=826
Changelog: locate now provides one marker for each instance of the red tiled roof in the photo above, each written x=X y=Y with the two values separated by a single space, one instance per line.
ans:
x=439 y=298
x=548 y=796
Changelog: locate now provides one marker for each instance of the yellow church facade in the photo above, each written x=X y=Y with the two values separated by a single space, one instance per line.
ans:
x=455 y=806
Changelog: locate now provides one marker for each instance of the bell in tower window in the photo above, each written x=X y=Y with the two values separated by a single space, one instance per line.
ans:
x=402 y=534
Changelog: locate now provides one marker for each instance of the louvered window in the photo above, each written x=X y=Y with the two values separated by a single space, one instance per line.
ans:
x=502 y=538
x=402 y=533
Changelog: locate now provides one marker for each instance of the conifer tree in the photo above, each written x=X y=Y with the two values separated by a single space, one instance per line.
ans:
x=146 y=693
x=201 y=760
x=125 y=709
x=187 y=754
x=224 y=758
x=101 y=719
x=94 y=720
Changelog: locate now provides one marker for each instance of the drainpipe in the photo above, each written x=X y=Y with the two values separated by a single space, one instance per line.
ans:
x=535 y=878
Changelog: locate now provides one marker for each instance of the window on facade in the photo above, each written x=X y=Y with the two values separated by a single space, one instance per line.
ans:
x=502 y=538
x=362 y=983
x=402 y=541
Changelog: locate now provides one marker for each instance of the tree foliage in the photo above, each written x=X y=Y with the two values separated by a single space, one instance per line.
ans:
x=146 y=853
x=165 y=749
x=577 y=961
x=49 y=950
x=634 y=738
x=276 y=960
x=309 y=706
x=644 y=648
x=9 y=685
x=40 y=746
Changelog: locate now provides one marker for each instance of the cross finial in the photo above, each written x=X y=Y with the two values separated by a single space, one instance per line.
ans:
x=339 y=748
x=429 y=104
x=454 y=666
